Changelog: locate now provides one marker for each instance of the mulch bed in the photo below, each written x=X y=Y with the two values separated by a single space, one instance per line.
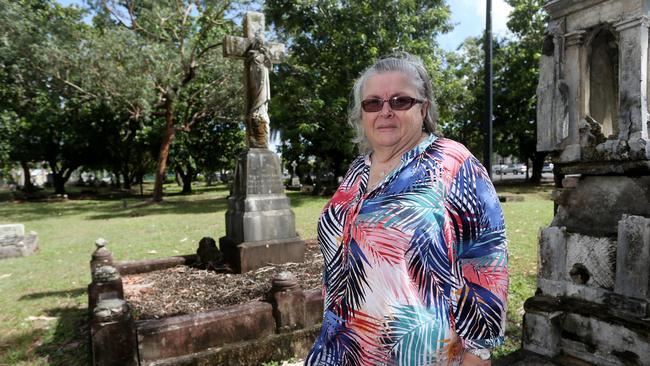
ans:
x=185 y=290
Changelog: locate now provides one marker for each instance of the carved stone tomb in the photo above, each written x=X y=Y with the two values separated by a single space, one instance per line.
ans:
x=594 y=262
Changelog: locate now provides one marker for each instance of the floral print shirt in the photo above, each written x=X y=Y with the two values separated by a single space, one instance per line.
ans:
x=416 y=269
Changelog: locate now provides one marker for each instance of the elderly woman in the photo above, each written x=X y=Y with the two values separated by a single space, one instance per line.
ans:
x=413 y=240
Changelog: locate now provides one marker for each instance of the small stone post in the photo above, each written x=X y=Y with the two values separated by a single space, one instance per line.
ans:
x=106 y=282
x=288 y=300
x=113 y=335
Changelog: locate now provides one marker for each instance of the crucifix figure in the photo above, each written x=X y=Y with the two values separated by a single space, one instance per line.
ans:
x=258 y=56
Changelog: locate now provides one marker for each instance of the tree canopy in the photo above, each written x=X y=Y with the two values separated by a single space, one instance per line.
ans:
x=144 y=87
x=330 y=43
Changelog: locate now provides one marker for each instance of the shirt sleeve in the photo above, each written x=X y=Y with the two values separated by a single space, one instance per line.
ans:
x=479 y=257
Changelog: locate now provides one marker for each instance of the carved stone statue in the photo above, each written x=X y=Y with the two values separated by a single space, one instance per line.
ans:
x=258 y=63
x=259 y=56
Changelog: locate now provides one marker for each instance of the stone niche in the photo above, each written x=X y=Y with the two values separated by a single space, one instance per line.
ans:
x=593 y=91
x=592 y=302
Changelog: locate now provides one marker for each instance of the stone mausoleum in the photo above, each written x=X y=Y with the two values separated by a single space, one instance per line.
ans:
x=593 y=285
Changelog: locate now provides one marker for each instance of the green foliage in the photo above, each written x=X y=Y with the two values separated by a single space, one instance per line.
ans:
x=113 y=95
x=515 y=70
x=515 y=90
x=330 y=43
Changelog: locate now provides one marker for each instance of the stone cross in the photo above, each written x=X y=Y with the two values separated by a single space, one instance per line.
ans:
x=258 y=56
x=293 y=165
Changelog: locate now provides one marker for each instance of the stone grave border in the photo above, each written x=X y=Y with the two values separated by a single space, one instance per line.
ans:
x=284 y=326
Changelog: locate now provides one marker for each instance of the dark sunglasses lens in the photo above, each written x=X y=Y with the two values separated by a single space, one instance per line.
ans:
x=401 y=103
x=372 y=105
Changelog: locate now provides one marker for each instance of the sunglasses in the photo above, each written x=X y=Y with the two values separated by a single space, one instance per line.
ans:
x=396 y=103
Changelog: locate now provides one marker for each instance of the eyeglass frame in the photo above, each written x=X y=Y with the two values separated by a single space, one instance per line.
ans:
x=412 y=102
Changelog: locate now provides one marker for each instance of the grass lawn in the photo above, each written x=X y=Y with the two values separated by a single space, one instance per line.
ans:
x=43 y=303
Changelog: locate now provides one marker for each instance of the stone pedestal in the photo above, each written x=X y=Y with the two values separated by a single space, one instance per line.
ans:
x=14 y=242
x=260 y=226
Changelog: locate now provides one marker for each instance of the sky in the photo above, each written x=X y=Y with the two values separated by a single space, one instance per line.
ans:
x=468 y=16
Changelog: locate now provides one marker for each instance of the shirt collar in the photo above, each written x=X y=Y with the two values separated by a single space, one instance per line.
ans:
x=408 y=156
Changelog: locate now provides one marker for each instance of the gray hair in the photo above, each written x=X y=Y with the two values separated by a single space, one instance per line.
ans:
x=413 y=68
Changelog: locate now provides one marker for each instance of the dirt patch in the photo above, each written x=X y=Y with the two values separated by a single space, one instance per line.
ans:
x=185 y=290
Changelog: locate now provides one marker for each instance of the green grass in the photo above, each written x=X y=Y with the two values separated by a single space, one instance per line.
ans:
x=51 y=283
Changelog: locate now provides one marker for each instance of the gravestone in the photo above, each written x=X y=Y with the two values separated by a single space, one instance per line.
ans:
x=295 y=181
x=14 y=242
x=260 y=226
x=593 y=287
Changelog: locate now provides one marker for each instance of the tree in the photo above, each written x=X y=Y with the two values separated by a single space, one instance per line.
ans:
x=42 y=122
x=515 y=63
x=515 y=90
x=463 y=105
x=180 y=44
x=212 y=148
x=330 y=44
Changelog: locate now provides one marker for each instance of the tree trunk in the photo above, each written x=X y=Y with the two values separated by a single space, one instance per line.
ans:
x=28 y=187
x=187 y=180
x=538 y=164
x=127 y=179
x=116 y=184
x=161 y=169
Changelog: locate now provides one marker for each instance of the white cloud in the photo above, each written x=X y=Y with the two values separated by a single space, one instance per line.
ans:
x=500 y=12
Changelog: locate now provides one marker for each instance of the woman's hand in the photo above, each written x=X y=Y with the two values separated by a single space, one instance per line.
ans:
x=471 y=360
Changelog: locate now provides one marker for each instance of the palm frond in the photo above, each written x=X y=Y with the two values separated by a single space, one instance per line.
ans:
x=417 y=334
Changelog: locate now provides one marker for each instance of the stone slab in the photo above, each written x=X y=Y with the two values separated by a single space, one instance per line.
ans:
x=637 y=167
x=592 y=332
x=11 y=231
x=260 y=225
x=314 y=302
x=21 y=246
x=596 y=205
x=149 y=265
x=247 y=256
x=602 y=342
x=187 y=334
x=256 y=352
x=541 y=332
x=552 y=253
x=633 y=258
x=258 y=209
x=590 y=261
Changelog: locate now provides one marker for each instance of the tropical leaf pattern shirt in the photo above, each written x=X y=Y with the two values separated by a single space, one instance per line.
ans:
x=415 y=269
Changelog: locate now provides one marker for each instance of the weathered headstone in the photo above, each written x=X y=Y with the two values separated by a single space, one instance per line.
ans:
x=260 y=226
x=593 y=294
x=295 y=181
x=14 y=242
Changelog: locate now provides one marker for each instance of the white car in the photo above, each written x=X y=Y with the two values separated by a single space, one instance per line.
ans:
x=547 y=168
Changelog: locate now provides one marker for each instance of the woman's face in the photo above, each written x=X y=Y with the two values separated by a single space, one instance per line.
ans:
x=389 y=128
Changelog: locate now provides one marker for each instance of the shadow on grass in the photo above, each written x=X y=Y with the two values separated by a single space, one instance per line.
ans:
x=167 y=207
x=68 y=345
x=63 y=293
x=203 y=200
x=109 y=206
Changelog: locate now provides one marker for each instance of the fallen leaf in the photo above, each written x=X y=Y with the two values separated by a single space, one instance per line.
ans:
x=152 y=252
x=5 y=275
x=184 y=239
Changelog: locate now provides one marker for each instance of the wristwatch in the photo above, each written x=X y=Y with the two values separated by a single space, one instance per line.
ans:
x=482 y=353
